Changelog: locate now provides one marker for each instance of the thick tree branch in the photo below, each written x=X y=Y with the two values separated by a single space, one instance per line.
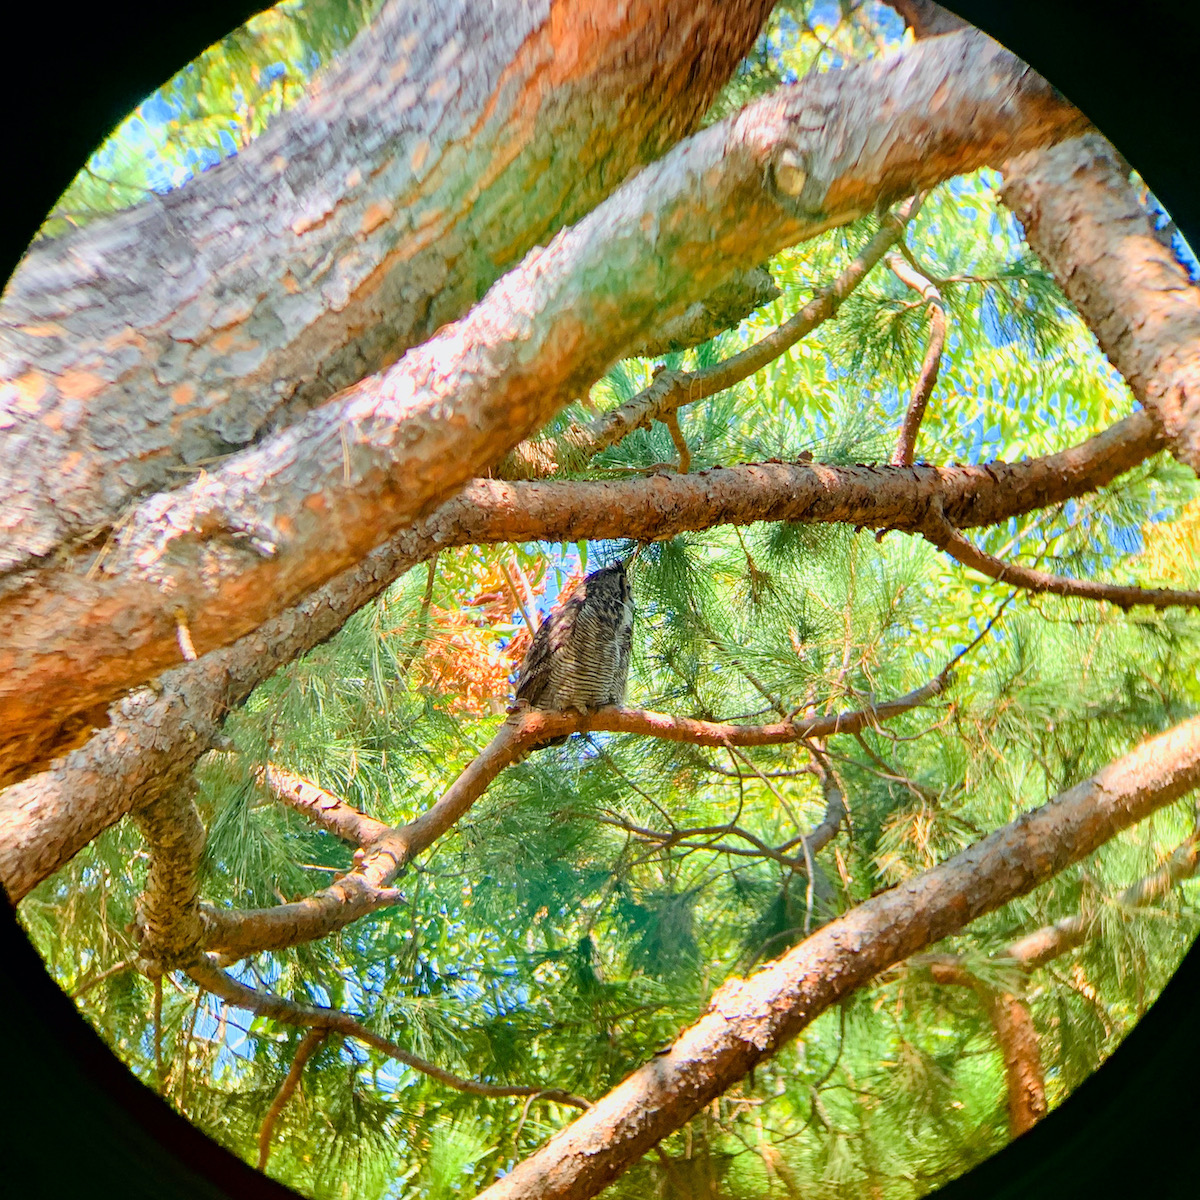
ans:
x=332 y=1020
x=320 y=807
x=751 y=1019
x=270 y=524
x=943 y=535
x=169 y=926
x=425 y=161
x=702 y=321
x=1040 y=947
x=906 y=443
x=925 y=18
x=1009 y=1013
x=155 y=737
x=1082 y=216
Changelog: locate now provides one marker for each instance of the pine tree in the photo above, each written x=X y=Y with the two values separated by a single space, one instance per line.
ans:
x=587 y=904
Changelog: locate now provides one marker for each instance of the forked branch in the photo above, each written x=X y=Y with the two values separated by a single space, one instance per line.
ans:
x=671 y=390
x=155 y=737
x=234 y=934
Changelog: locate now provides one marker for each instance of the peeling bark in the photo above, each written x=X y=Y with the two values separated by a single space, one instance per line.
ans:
x=1083 y=218
x=750 y=1019
x=272 y=523
x=425 y=161
x=155 y=737
x=322 y=808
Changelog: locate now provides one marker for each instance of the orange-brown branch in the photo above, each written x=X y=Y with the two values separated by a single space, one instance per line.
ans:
x=943 y=535
x=244 y=542
x=906 y=443
x=750 y=1019
x=308 y=1046
x=233 y=934
x=1082 y=216
x=1016 y=1037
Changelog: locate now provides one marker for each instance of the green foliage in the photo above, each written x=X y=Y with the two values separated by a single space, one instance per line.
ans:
x=212 y=108
x=588 y=906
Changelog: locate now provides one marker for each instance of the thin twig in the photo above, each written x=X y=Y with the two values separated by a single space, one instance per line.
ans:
x=308 y=1045
x=158 y=1053
x=517 y=600
x=927 y=379
x=670 y=390
x=237 y=995
x=945 y=537
x=88 y=984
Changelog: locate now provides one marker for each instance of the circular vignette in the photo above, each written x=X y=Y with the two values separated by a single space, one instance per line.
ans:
x=82 y=1120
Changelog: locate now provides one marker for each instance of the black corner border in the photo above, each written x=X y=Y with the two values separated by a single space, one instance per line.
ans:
x=79 y=1122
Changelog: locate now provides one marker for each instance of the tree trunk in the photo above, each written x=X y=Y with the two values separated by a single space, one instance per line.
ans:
x=424 y=162
x=1082 y=216
x=208 y=563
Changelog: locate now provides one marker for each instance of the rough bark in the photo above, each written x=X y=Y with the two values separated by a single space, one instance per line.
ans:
x=750 y=1019
x=426 y=160
x=671 y=390
x=721 y=310
x=322 y=808
x=222 y=555
x=1082 y=216
x=169 y=925
x=1040 y=947
x=155 y=737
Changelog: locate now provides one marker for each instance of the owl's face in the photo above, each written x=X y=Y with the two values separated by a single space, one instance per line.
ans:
x=614 y=578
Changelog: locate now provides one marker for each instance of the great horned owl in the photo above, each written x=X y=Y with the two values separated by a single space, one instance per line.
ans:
x=579 y=657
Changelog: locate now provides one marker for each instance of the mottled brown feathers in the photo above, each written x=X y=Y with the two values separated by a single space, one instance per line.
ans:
x=579 y=657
